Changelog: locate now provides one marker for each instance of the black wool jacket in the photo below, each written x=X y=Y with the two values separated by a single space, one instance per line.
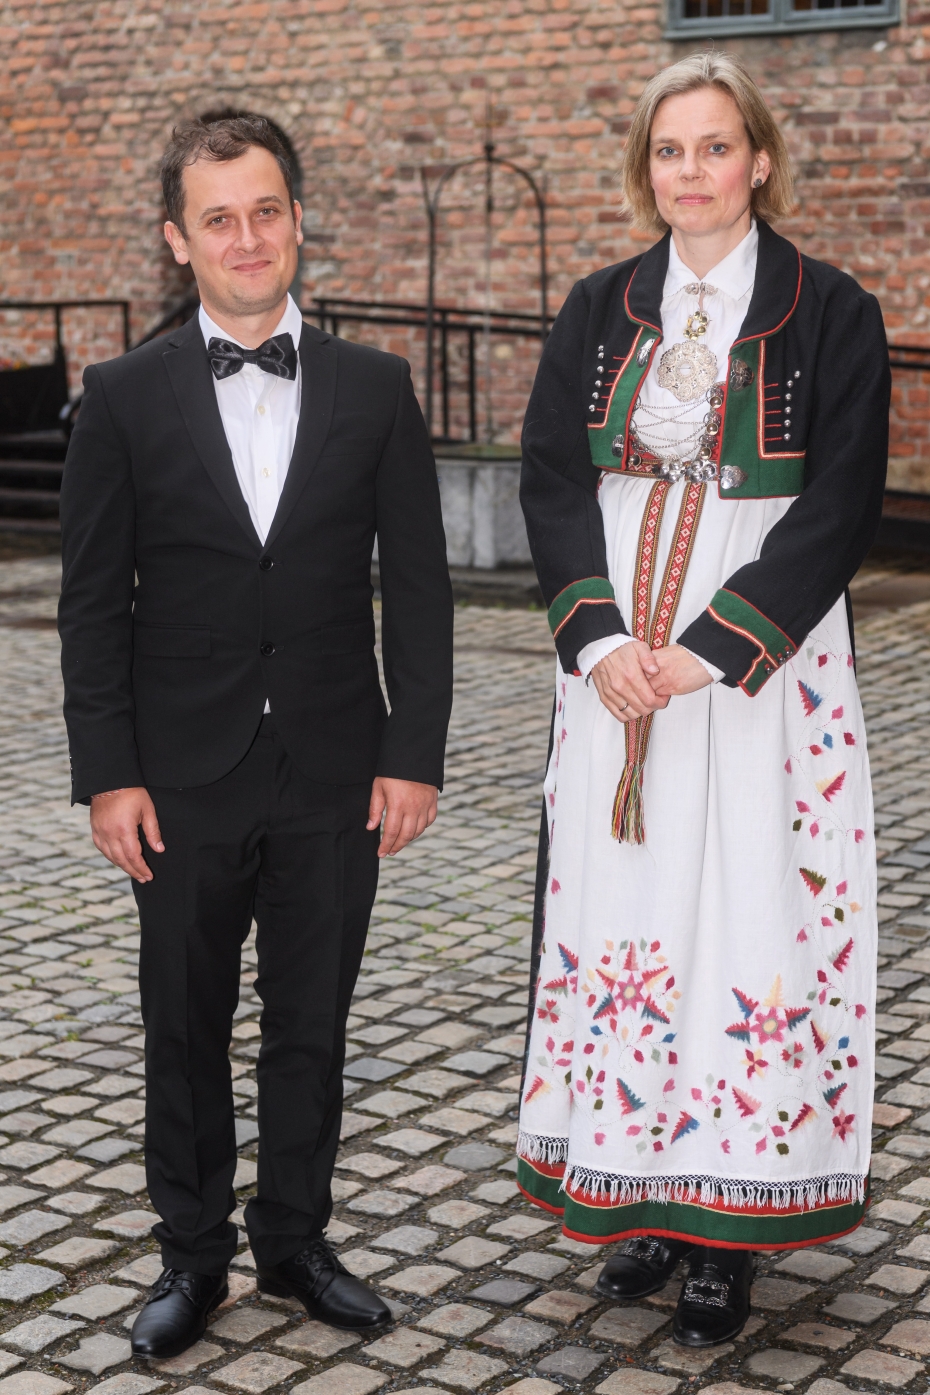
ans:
x=805 y=413
x=177 y=623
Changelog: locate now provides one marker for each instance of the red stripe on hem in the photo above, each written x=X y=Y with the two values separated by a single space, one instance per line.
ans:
x=543 y=1205
x=702 y=1240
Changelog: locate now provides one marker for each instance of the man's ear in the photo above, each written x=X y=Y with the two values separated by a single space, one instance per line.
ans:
x=178 y=243
x=298 y=220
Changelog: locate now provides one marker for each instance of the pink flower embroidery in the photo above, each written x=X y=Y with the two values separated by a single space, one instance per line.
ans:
x=842 y=1125
x=769 y=1026
x=629 y=994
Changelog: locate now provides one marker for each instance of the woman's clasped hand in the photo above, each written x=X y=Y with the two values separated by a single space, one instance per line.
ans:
x=635 y=680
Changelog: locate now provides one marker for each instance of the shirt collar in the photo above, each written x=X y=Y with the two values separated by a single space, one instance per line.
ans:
x=734 y=275
x=291 y=322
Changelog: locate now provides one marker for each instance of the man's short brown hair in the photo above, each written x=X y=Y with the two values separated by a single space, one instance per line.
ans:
x=223 y=137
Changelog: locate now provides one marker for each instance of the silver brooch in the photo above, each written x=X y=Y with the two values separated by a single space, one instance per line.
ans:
x=642 y=358
x=731 y=477
x=687 y=370
x=740 y=374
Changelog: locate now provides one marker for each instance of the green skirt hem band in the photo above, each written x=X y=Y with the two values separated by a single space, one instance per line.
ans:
x=601 y=1223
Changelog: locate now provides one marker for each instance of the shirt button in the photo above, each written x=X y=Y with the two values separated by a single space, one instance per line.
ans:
x=267 y=650
x=266 y=473
x=261 y=411
x=266 y=563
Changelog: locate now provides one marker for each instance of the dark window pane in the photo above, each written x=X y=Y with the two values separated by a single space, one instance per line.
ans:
x=761 y=10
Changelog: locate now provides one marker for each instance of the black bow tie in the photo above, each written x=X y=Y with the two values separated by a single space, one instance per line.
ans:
x=277 y=356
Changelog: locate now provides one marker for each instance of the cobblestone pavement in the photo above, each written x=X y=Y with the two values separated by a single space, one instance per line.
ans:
x=486 y=1293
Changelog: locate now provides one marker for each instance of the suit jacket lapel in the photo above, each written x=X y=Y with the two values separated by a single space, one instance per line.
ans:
x=192 y=380
x=317 y=398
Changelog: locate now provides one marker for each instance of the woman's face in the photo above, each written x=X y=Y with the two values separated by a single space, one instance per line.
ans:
x=701 y=164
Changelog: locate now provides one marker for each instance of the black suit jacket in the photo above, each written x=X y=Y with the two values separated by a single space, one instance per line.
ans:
x=177 y=624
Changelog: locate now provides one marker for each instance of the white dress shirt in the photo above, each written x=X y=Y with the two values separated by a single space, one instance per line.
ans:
x=733 y=280
x=259 y=413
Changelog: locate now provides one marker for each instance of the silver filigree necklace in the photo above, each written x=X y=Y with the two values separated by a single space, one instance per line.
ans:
x=688 y=370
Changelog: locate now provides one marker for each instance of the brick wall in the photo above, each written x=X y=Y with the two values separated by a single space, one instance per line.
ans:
x=371 y=94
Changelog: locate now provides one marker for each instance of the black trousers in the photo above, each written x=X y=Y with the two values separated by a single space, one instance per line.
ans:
x=265 y=842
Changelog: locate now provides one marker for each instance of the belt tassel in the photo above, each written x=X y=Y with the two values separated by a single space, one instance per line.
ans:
x=627 y=823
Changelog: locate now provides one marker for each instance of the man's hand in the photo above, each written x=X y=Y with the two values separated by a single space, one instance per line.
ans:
x=408 y=809
x=625 y=681
x=679 y=672
x=114 y=825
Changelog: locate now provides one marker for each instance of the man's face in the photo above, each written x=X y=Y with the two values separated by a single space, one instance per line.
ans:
x=240 y=232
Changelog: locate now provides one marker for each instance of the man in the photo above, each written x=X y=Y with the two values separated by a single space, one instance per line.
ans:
x=220 y=501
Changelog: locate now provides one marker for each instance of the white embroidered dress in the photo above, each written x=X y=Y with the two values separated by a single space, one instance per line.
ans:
x=701 y=1055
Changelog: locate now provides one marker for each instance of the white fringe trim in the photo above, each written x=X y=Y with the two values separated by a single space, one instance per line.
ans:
x=807 y=1195
x=537 y=1147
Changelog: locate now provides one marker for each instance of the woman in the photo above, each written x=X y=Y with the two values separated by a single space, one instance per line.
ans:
x=704 y=459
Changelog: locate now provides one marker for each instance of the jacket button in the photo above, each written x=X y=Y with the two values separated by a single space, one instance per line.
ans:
x=266 y=564
x=267 y=650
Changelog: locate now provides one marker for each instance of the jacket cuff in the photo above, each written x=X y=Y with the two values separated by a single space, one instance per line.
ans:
x=742 y=641
x=85 y=783
x=583 y=612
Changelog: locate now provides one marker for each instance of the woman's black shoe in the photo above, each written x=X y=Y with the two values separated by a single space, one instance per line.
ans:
x=176 y=1311
x=327 y=1290
x=714 y=1302
x=641 y=1266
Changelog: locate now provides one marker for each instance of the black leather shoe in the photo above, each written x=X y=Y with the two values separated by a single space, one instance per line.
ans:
x=641 y=1266
x=326 y=1288
x=714 y=1302
x=176 y=1311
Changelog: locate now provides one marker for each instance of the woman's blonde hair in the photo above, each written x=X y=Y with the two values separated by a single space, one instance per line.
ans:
x=775 y=198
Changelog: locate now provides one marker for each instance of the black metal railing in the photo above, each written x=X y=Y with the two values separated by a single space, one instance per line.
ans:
x=179 y=313
x=912 y=356
x=448 y=320
x=58 y=306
